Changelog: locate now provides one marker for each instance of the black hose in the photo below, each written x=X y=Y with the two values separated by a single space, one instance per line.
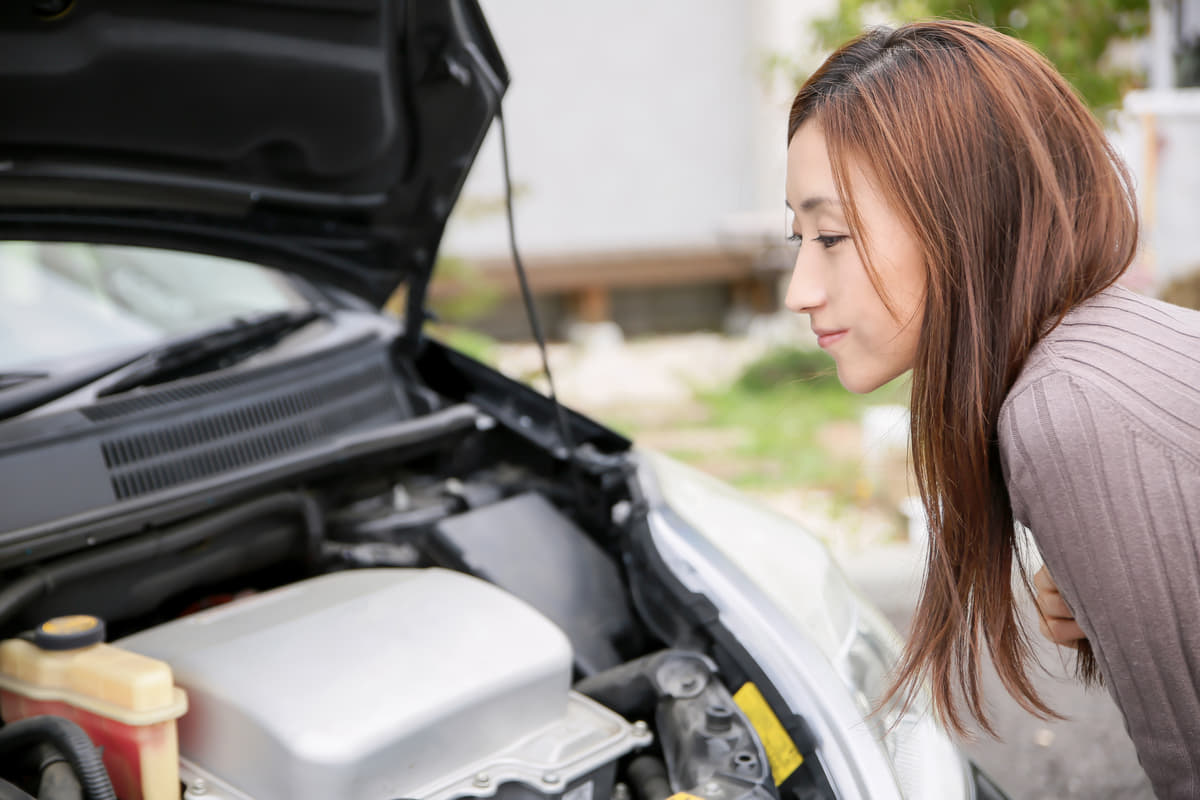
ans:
x=26 y=589
x=9 y=791
x=220 y=560
x=648 y=778
x=57 y=779
x=71 y=741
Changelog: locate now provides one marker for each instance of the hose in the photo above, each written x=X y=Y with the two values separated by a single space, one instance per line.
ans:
x=26 y=589
x=71 y=741
x=58 y=781
x=648 y=777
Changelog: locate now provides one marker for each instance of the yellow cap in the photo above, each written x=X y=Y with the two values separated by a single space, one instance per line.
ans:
x=69 y=633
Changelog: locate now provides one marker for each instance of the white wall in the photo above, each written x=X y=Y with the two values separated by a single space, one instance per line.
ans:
x=632 y=124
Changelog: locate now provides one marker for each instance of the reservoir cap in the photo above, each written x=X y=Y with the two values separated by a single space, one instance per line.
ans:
x=69 y=633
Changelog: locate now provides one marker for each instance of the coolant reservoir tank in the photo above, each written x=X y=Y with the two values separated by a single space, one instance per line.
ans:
x=126 y=702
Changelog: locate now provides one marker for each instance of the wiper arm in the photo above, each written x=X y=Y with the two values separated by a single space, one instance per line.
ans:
x=212 y=343
x=146 y=366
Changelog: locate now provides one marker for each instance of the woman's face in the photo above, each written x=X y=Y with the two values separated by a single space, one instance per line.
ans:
x=870 y=343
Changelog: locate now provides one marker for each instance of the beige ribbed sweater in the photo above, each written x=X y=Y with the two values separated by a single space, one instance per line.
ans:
x=1100 y=442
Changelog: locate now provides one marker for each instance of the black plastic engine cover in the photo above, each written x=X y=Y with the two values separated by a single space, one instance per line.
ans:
x=528 y=547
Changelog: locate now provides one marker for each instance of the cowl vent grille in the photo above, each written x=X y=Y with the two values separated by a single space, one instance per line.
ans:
x=165 y=396
x=265 y=426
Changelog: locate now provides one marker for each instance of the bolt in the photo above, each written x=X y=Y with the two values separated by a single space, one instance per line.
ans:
x=620 y=792
x=199 y=786
x=712 y=788
x=718 y=718
x=551 y=778
x=482 y=779
x=745 y=761
x=640 y=728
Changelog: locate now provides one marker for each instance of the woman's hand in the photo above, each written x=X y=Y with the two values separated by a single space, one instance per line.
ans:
x=1056 y=619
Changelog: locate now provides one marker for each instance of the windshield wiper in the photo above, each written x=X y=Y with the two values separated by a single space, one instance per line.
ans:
x=225 y=341
x=221 y=342
x=17 y=377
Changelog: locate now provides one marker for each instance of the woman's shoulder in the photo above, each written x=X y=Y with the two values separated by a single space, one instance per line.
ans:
x=1115 y=333
x=1119 y=361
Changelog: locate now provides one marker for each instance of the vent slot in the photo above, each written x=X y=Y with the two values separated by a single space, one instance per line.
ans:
x=257 y=430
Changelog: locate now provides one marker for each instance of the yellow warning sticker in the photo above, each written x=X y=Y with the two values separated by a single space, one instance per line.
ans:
x=684 y=796
x=782 y=754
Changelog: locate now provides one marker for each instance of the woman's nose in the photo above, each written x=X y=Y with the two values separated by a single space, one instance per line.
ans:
x=805 y=290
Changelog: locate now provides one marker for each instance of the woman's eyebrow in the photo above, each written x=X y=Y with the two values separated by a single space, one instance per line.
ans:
x=812 y=203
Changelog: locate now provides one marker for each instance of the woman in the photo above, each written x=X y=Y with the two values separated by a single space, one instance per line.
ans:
x=960 y=213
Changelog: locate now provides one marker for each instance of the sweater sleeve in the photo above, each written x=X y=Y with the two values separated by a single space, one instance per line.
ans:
x=1114 y=506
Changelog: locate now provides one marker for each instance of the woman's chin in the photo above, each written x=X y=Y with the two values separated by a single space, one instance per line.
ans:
x=860 y=381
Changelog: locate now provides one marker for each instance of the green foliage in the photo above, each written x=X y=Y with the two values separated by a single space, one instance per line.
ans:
x=468 y=295
x=783 y=402
x=788 y=365
x=781 y=415
x=1074 y=34
x=1184 y=290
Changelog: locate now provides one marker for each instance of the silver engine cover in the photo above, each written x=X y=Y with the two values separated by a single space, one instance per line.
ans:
x=382 y=684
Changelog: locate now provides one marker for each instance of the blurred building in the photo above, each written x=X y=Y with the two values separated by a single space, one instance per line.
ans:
x=1158 y=132
x=646 y=145
x=646 y=148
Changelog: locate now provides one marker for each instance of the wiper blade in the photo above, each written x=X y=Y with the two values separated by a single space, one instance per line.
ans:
x=146 y=366
x=16 y=378
x=180 y=354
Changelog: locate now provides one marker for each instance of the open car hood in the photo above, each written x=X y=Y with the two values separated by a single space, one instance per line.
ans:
x=327 y=137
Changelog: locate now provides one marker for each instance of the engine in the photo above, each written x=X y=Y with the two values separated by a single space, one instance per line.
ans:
x=380 y=684
x=445 y=662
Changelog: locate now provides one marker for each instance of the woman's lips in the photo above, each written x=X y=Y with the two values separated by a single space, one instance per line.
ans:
x=830 y=338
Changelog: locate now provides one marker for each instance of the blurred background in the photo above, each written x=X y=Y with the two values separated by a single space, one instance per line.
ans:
x=647 y=147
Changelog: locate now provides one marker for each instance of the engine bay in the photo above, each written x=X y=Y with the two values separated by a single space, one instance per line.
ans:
x=437 y=607
x=456 y=616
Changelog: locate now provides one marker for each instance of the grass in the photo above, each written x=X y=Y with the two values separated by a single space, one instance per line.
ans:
x=786 y=406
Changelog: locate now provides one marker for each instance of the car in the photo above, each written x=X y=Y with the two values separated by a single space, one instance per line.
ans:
x=262 y=541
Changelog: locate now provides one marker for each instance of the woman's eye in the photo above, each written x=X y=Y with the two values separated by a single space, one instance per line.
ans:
x=827 y=241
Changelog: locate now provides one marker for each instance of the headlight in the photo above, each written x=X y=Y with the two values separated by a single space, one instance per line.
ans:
x=781 y=593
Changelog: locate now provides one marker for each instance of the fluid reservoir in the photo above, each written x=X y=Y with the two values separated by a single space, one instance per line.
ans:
x=126 y=702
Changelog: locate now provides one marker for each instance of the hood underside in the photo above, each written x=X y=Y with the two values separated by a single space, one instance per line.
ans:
x=327 y=137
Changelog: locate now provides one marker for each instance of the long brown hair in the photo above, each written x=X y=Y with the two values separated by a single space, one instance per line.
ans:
x=1022 y=210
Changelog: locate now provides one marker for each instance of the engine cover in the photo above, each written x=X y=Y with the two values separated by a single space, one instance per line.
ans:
x=381 y=684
